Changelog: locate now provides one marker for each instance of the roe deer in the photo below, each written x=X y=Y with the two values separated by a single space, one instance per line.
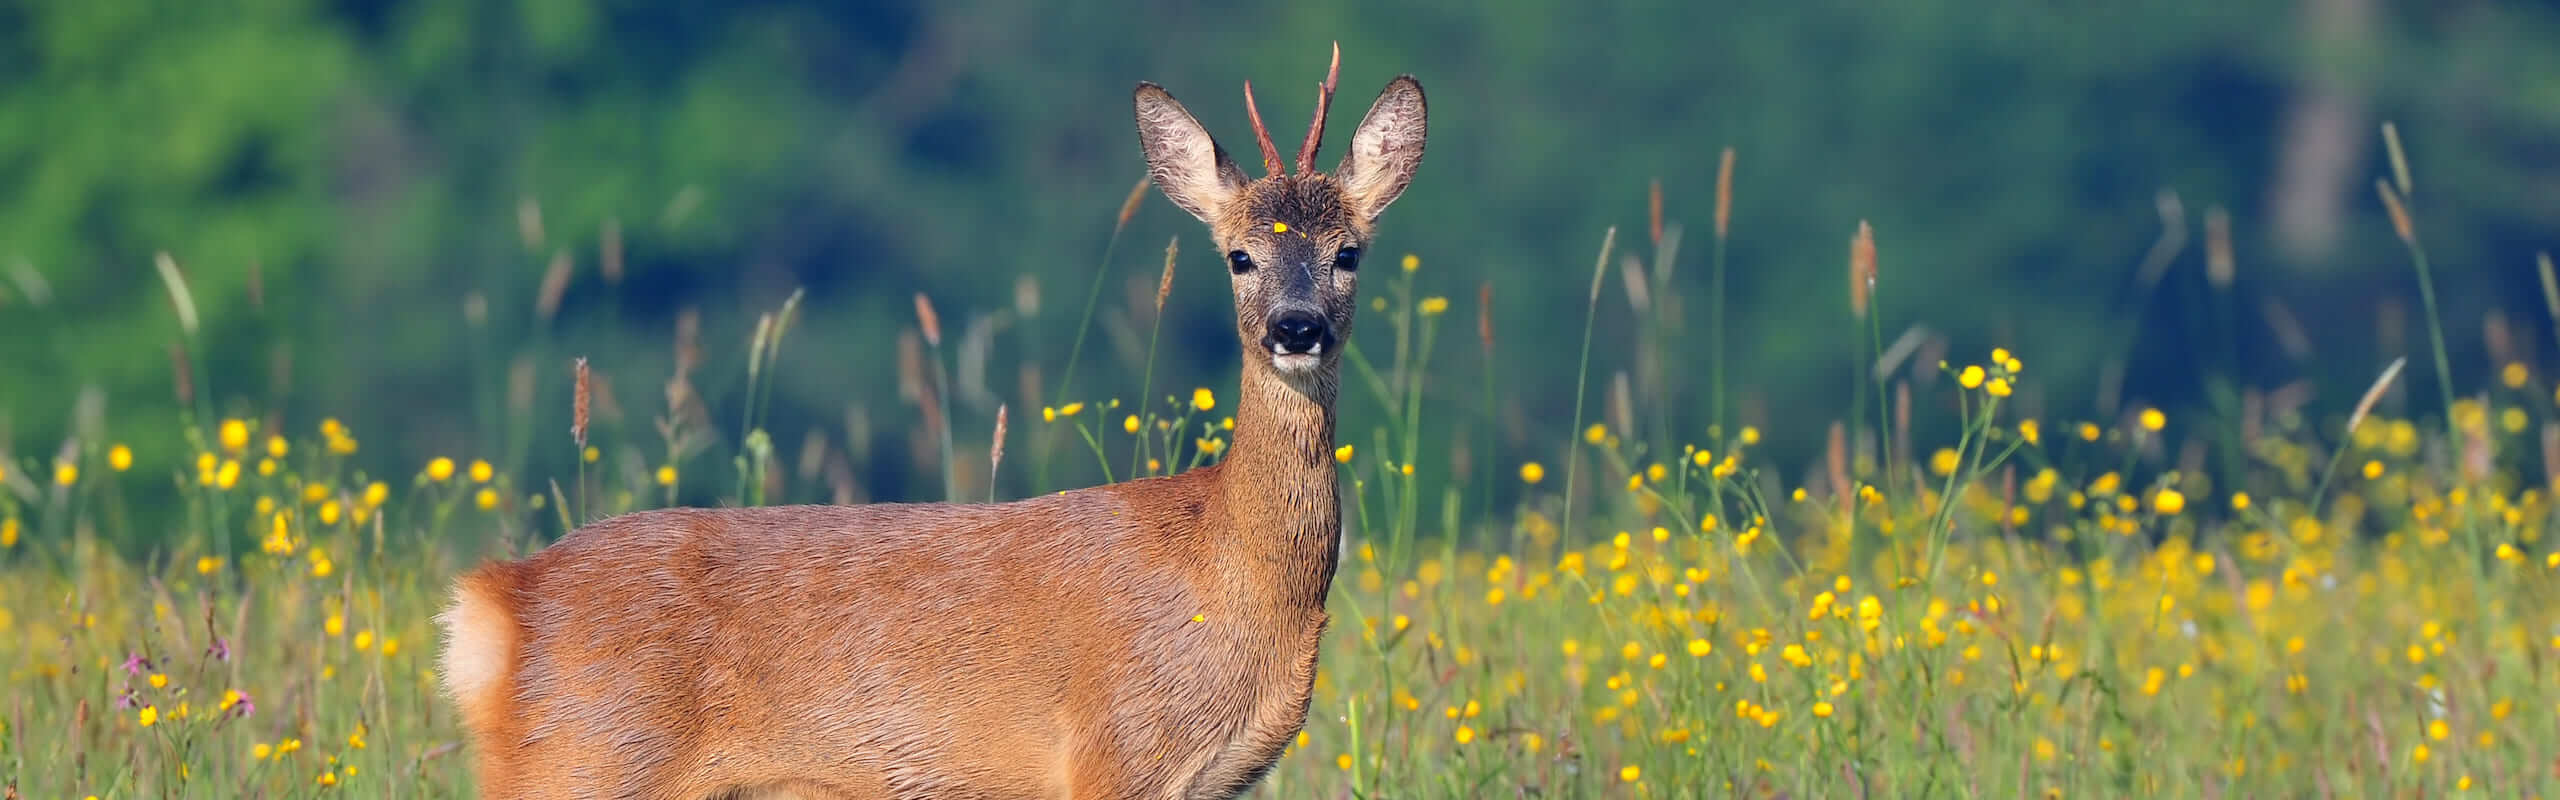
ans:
x=1154 y=638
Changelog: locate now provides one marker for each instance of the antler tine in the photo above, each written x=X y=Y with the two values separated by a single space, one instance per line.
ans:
x=1270 y=154
x=1324 y=103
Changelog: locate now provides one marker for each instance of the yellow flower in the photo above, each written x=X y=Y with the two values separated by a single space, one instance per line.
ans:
x=375 y=493
x=481 y=472
x=1532 y=473
x=1130 y=424
x=1997 y=387
x=439 y=469
x=119 y=458
x=1630 y=774
x=486 y=499
x=9 y=532
x=1070 y=409
x=1700 y=647
x=2168 y=502
x=2438 y=730
x=2372 y=470
x=1342 y=454
x=1203 y=399
x=260 y=751
x=234 y=435
x=390 y=646
x=1412 y=262
x=1465 y=734
x=2418 y=754
x=667 y=475
x=159 y=680
x=2153 y=420
x=2514 y=375
x=2089 y=431
x=335 y=625
x=205 y=565
x=1750 y=435
x=2030 y=431
x=2239 y=501
x=591 y=454
x=1434 y=306
x=1945 y=461
x=364 y=639
x=1048 y=414
x=66 y=473
x=277 y=447
x=1343 y=761
x=1822 y=709
x=1971 y=377
x=228 y=475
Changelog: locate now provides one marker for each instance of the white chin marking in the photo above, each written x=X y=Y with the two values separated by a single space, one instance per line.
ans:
x=1294 y=362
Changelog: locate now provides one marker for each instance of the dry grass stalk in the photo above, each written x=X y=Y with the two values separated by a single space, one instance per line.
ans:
x=1026 y=296
x=2374 y=394
x=1724 y=194
x=688 y=340
x=2550 y=287
x=1129 y=206
x=1622 y=404
x=2551 y=455
x=178 y=294
x=755 y=347
x=609 y=250
x=813 y=453
x=1862 y=269
x=995 y=449
x=2497 y=337
x=180 y=375
x=1835 y=462
x=1484 y=318
x=1600 y=271
x=1653 y=212
x=930 y=322
x=1901 y=421
x=529 y=222
x=520 y=384
x=1639 y=290
x=1164 y=284
x=2218 y=264
x=2399 y=161
x=2399 y=215
x=579 y=400
x=555 y=285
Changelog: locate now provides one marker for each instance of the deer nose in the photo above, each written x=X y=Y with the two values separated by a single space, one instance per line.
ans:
x=1295 y=332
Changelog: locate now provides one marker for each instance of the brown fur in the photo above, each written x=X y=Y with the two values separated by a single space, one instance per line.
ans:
x=1149 y=639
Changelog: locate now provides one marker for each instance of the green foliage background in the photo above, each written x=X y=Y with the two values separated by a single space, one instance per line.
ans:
x=338 y=179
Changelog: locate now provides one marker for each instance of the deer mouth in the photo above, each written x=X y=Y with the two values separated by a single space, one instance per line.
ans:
x=1297 y=362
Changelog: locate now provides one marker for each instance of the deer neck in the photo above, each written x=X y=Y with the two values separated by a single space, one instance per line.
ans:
x=1279 y=488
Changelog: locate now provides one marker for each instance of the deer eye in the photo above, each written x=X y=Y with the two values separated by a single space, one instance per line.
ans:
x=1347 y=259
x=1238 y=262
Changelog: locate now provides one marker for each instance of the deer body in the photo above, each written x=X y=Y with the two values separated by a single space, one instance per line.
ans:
x=1155 y=638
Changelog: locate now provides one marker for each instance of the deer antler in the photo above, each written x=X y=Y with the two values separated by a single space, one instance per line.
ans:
x=1324 y=103
x=1270 y=154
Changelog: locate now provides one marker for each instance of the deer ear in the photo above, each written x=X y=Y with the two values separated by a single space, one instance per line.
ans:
x=1385 y=150
x=1188 y=166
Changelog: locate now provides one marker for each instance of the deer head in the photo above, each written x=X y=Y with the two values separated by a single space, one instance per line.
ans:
x=1292 y=242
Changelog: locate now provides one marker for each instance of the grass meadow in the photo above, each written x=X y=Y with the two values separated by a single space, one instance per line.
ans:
x=2366 y=605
